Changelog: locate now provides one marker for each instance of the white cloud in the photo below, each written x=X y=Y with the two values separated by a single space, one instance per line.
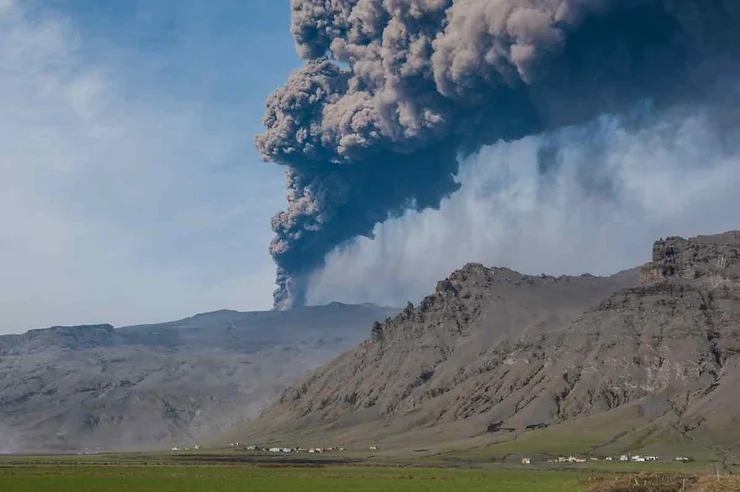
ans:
x=613 y=187
x=113 y=207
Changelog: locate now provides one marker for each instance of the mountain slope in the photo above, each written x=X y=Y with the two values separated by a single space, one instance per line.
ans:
x=66 y=388
x=433 y=364
x=494 y=352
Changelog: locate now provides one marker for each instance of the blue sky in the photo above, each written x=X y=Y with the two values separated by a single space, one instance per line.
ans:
x=131 y=189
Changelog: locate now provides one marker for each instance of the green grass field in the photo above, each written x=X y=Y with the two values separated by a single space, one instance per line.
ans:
x=623 y=431
x=157 y=478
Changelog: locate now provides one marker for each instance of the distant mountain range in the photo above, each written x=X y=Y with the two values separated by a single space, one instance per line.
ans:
x=96 y=387
x=497 y=360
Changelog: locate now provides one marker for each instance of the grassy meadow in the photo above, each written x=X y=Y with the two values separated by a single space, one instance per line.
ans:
x=229 y=471
x=206 y=478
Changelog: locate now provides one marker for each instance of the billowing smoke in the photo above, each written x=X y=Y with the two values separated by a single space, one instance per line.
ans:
x=540 y=204
x=395 y=91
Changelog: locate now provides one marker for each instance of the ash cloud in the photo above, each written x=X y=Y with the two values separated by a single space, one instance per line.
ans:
x=541 y=205
x=393 y=92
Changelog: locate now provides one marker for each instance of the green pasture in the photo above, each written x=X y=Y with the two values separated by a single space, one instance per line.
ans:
x=157 y=478
x=623 y=431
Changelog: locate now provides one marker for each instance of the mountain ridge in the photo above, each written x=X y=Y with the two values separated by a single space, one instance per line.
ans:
x=473 y=294
x=99 y=387
x=493 y=352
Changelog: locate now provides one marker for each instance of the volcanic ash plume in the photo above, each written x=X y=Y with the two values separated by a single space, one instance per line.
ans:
x=394 y=91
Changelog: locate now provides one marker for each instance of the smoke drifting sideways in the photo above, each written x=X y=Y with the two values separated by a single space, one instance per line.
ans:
x=585 y=198
x=394 y=92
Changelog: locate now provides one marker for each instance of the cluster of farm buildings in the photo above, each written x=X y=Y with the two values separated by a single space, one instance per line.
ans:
x=194 y=448
x=623 y=458
x=525 y=461
x=268 y=449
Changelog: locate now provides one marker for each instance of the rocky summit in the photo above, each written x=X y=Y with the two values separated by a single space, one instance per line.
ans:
x=495 y=353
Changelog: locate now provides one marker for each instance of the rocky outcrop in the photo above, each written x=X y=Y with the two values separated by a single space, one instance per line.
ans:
x=711 y=259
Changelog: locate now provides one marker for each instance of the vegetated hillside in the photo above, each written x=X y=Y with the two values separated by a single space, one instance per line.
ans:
x=69 y=388
x=494 y=352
